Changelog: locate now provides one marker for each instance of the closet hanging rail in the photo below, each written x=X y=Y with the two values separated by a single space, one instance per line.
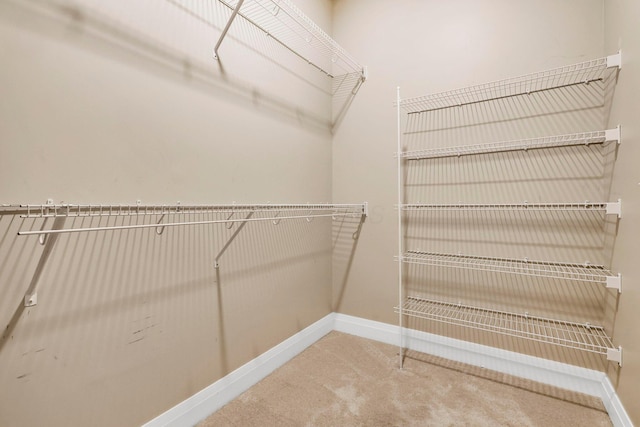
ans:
x=570 y=75
x=585 y=337
x=288 y=26
x=555 y=270
x=582 y=138
x=269 y=212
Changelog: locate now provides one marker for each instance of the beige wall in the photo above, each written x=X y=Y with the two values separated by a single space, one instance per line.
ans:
x=431 y=46
x=111 y=102
x=622 y=32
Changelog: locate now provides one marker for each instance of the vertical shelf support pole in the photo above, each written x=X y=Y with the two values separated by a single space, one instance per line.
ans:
x=226 y=28
x=400 y=200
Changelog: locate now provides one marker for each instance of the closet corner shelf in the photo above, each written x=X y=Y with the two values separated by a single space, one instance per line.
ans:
x=555 y=270
x=582 y=138
x=585 y=337
x=288 y=26
x=570 y=75
x=609 y=208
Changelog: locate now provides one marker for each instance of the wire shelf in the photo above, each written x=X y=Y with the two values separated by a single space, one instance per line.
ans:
x=98 y=210
x=567 y=271
x=575 y=74
x=583 y=138
x=285 y=23
x=606 y=207
x=578 y=336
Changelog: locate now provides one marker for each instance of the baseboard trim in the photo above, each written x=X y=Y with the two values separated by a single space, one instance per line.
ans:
x=212 y=398
x=202 y=404
x=562 y=375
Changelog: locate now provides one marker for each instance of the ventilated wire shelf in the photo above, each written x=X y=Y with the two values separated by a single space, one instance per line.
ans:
x=606 y=207
x=581 y=73
x=583 y=138
x=554 y=270
x=93 y=210
x=578 y=336
x=290 y=27
x=233 y=214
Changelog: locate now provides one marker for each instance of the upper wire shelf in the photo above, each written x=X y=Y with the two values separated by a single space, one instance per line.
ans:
x=585 y=337
x=556 y=270
x=570 y=75
x=610 y=208
x=582 y=138
x=287 y=25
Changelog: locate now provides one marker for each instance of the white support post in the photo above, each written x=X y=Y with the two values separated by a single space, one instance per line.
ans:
x=615 y=282
x=615 y=60
x=615 y=208
x=615 y=355
x=612 y=134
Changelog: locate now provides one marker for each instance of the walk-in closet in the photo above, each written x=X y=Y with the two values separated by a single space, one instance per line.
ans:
x=319 y=212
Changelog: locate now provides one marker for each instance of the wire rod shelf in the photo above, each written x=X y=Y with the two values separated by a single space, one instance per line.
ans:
x=287 y=25
x=582 y=138
x=98 y=210
x=613 y=208
x=555 y=270
x=580 y=336
x=570 y=75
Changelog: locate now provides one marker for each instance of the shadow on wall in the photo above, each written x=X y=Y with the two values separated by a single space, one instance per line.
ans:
x=116 y=308
x=345 y=236
x=187 y=58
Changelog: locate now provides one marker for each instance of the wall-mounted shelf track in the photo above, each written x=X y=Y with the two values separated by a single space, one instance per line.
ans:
x=555 y=270
x=570 y=75
x=288 y=26
x=573 y=335
x=582 y=138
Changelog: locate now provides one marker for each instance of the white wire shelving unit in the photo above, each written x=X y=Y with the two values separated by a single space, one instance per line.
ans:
x=573 y=335
x=161 y=216
x=570 y=75
x=582 y=138
x=555 y=270
x=580 y=336
x=288 y=26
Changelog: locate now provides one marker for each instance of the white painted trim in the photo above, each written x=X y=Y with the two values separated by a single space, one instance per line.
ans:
x=202 y=404
x=212 y=398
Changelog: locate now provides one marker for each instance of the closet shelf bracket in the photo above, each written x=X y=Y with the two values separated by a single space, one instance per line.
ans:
x=612 y=134
x=615 y=282
x=615 y=208
x=615 y=60
x=615 y=355
x=226 y=28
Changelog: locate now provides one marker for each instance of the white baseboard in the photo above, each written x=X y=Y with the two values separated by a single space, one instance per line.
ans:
x=202 y=404
x=207 y=401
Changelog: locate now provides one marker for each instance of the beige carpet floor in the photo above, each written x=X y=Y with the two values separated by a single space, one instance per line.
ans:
x=343 y=380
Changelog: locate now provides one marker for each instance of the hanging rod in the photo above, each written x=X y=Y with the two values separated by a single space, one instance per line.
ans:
x=288 y=26
x=556 y=270
x=580 y=336
x=51 y=210
x=582 y=138
x=576 y=74
x=610 y=208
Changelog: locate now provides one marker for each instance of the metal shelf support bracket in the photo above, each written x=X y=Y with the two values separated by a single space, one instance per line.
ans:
x=615 y=208
x=615 y=282
x=612 y=134
x=615 y=60
x=615 y=355
x=226 y=28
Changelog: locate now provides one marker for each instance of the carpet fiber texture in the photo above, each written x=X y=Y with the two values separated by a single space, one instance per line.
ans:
x=343 y=380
